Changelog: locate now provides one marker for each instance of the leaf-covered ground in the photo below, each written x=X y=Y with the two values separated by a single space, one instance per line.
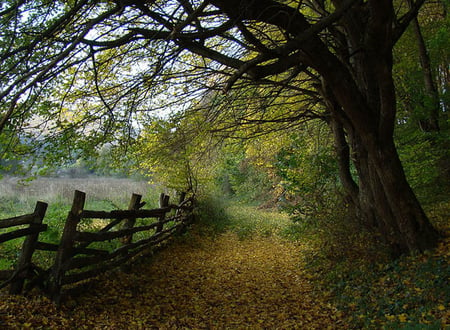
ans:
x=197 y=283
x=237 y=273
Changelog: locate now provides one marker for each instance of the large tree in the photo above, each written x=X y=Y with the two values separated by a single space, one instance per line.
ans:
x=114 y=59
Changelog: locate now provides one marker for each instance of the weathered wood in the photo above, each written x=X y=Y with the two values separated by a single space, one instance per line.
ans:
x=91 y=260
x=76 y=250
x=182 y=197
x=65 y=249
x=135 y=204
x=183 y=205
x=179 y=207
x=17 y=221
x=73 y=278
x=74 y=243
x=43 y=246
x=163 y=204
x=129 y=223
x=110 y=225
x=176 y=218
x=28 y=247
x=22 y=232
x=124 y=214
x=104 y=236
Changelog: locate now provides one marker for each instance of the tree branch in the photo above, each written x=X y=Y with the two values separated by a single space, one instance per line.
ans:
x=403 y=22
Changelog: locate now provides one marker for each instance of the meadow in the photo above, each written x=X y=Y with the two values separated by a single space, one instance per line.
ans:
x=19 y=196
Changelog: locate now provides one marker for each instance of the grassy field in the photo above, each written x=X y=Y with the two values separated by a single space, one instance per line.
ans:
x=19 y=197
x=16 y=194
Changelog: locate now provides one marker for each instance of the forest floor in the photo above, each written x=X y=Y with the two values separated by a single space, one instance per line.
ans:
x=223 y=282
x=255 y=274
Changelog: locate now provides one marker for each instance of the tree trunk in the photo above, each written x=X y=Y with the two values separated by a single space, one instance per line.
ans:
x=431 y=102
x=355 y=63
x=414 y=230
x=386 y=202
x=382 y=197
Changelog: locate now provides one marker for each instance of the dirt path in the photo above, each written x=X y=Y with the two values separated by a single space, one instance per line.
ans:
x=200 y=283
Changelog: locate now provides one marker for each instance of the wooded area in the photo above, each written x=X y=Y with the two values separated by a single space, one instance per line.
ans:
x=333 y=112
x=76 y=260
x=111 y=69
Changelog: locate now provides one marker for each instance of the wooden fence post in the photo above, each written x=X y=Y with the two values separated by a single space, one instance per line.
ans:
x=180 y=201
x=163 y=202
x=135 y=204
x=66 y=245
x=28 y=247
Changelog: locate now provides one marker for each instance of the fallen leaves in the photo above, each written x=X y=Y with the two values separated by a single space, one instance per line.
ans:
x=200 y=283
x=411 y=291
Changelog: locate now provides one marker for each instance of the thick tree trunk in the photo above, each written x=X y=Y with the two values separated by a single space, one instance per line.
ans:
x=382 y=197
x=355 y=64
x=415 y=232
x=343 y=156
x=386 y=202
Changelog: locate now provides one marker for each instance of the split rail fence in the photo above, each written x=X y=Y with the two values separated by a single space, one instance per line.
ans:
x=81 y=254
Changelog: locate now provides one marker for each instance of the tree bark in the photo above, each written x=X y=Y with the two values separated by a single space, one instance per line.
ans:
x=382 y=198
x=431 y=102
x=386 y=199
x=414 y=230
x=356 y=67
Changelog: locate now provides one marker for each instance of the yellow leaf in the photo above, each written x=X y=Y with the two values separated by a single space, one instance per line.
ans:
x=403 y=317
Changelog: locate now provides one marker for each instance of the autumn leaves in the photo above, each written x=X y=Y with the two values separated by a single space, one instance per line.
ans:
x=201 y=283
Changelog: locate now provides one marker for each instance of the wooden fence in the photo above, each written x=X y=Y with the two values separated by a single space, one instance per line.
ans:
x=24 y=263
x=81 y=254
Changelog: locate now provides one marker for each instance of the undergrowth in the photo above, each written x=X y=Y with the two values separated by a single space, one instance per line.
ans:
x=375 y=291
x=352 y=268
x=217 y=216
x=346 y=265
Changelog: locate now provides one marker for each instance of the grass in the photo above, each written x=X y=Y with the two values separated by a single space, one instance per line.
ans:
x=369 y=288
x=218 y=216
x=19 y=197
x=16 y=193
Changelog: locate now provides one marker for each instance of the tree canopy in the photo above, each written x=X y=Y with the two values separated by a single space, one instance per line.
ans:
x=77 y=73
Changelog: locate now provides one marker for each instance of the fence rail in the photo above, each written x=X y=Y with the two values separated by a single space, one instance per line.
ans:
x=16 y=278
x=80 y=255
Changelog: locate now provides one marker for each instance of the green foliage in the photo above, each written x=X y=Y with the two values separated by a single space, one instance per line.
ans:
x=218 y=215
x=211 y=214
x=309 y=175
x=169 y=152
x=373 y=290
x=425 y=159
x=425 y=154
x=239 y=176
x=408 y=292
x=9 y=252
